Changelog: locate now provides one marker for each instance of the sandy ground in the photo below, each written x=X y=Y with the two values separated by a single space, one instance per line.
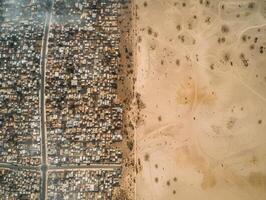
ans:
x=201 y=74
x=125 y=90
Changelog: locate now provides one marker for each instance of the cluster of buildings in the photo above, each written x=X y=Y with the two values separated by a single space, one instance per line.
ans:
x=20 y=46
x=19 y=184
x=84 y=117
x=83 y=114
x=83 y=184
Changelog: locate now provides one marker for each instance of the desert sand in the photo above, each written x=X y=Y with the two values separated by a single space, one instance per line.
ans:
x=201 y=77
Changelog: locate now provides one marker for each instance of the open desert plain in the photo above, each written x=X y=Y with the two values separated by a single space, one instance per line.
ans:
x=201 y=99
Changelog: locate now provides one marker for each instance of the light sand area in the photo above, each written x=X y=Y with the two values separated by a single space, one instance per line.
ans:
x=201 y=73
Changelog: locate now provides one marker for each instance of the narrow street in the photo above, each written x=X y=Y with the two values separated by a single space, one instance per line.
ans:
x=18 y=167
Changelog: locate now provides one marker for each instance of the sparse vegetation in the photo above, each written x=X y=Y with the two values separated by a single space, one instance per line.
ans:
x=251 y=5
x=146 y=157
x=145 y=4
x=149 y=30
x=225 y=29
x=140 y=103
x=156 y=179
x=130 y=145
x=121 y=195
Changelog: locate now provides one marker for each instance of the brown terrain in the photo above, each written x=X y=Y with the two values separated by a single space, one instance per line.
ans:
x=200 y=99
x=125 y=97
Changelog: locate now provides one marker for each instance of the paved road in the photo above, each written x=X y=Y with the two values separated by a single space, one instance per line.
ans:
x=84 y=167
x=44 y=166
x=43 y=72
